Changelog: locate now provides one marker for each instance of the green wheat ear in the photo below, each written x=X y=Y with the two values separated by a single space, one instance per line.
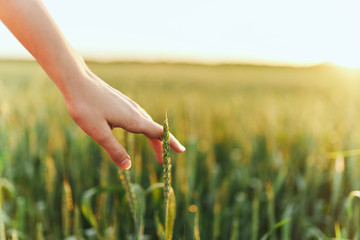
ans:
x=169 y=197
x=166 y=160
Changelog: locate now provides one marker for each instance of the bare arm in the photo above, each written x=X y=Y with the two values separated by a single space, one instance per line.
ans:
x=32 y=25
x=94 y=105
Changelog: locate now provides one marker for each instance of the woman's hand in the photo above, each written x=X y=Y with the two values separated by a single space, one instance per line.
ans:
x=95 y=106
x=98 y=108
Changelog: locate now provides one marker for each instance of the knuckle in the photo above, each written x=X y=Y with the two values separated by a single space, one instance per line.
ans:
x=102 y=139
x=76 y=112
x=139 y=124
x=136 y=124
x=118 y=154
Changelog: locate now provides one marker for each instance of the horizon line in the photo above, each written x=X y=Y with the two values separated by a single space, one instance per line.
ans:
x=209 y=62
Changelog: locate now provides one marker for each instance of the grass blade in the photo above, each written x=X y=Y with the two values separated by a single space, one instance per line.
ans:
x=171 y=214
x=140 y=208
x=86 y=204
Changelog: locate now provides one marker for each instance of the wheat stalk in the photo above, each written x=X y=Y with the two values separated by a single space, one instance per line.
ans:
x=39 y=231
x=129 y=192
x=67 y=207
x=2 y=224
x=127 y=185
x=77 y=223
x=166 y=167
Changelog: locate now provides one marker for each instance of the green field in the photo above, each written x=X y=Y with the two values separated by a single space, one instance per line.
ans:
x=260 y=161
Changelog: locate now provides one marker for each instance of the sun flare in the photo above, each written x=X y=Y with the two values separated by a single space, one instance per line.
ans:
x=348 y=62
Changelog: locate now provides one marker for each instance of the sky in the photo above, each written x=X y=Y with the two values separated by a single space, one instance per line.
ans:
x=266 y=32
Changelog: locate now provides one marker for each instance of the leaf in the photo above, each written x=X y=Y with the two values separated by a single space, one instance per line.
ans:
x=86 y=207
x=159 y=227
x=153 y=187
x=171 y=214
x=276 y=226
x=155 y=191
x=141 y=207
x=313 y=232
x=352 y=195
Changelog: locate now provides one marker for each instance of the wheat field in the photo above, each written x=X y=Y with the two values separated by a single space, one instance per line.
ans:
x=272 y=153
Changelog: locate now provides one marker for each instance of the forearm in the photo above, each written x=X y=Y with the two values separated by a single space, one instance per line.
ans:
x=32 y=25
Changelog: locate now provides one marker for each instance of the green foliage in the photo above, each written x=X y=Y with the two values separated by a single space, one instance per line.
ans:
x=87 y=206
x=170 y=215
x=141 y=207
x=272 y=153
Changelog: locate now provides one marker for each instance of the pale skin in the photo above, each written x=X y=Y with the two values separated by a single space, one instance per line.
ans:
x=94 y=105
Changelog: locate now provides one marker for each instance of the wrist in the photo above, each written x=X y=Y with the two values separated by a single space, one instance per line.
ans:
x=68 y=74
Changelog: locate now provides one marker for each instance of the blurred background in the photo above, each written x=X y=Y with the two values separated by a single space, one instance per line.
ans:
x=276 y=32
x=263 y=94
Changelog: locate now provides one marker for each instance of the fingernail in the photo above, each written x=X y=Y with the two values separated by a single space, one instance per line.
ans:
x=125 y=164
x=182 y=148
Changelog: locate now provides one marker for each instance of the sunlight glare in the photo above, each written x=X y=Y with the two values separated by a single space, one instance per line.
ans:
x=350 y=62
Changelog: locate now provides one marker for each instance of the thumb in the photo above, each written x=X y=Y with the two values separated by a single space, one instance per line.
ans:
x=117 y=152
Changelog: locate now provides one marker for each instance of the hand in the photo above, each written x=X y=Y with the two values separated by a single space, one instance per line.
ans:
x=98 y=108
x=95 y=106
